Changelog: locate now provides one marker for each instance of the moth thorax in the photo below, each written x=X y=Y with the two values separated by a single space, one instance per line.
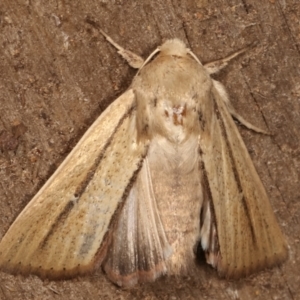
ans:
x=176 y=113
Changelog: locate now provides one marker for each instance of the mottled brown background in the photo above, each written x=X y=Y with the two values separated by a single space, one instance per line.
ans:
x=57 y=74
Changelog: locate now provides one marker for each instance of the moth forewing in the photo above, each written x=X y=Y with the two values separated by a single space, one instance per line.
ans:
x=63 y=229
x=162 y=169
x=249 y=236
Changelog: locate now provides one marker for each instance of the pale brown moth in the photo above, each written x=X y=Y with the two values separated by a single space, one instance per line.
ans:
x=162 y=170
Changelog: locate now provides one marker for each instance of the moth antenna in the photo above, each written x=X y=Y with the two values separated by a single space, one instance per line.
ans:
x=217 y=65
x=194 y=57
x=148 y=59
x=134 y=60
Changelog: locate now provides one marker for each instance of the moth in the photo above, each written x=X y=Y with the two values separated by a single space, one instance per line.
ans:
x=162 y=171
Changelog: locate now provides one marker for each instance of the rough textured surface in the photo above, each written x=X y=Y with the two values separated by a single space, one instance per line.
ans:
x=58 y=73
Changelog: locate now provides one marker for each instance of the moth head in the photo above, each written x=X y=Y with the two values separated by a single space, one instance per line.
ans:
x=174 y=47
x=177 y=48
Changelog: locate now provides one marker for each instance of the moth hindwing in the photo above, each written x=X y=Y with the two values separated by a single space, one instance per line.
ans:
x=162 y=170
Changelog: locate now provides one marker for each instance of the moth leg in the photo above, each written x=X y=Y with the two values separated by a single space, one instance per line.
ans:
x=217 y=65
x=223 y=94
x=134 y=60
